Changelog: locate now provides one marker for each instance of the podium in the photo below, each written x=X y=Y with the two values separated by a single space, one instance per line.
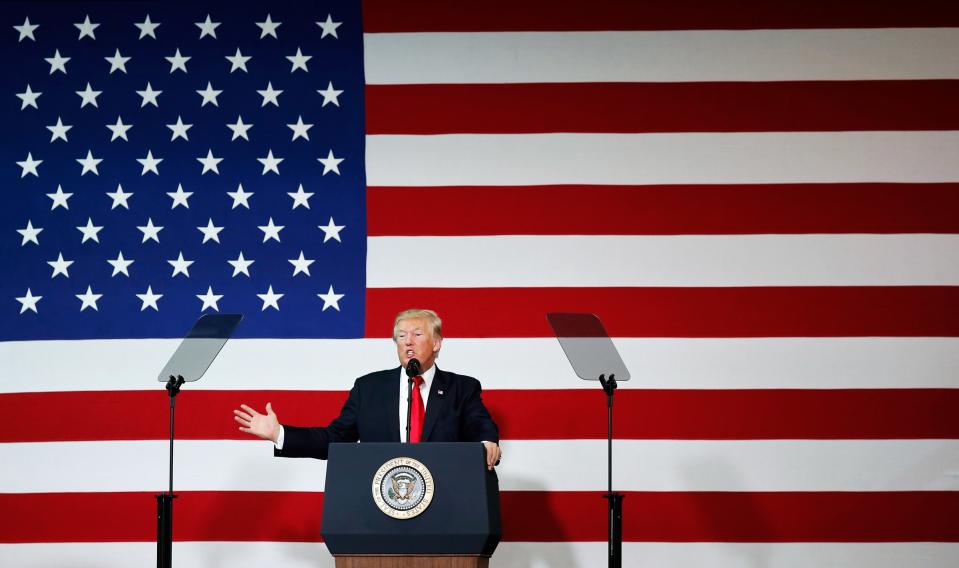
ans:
x=410 y=505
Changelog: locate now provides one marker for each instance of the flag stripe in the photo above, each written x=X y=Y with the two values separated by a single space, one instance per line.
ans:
x=535 y=363
x=662 y=107
x=661 y=57
x=520 y=414
x=527 y=516
x=684 y=312
x=666 y=210
x=670 y=260
x=197 y=554
x=663 y=158
x=551 y=15
x=638 y=465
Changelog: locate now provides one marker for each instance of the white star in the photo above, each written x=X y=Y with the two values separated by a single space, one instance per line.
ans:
x=29 y=166
x=331 y=230
x=29 y=302
x=89 y=163
x=241 y=265
x=271 y=231
x=147 y=28
x=180 y=197
x=60 y=266
x=89 y=96
x=149 y=299
x=179 y=129
x=301 y=265
x=270 y=164
x=89 y=299
x=149 y=163
x=270 y=95
x=209 y=299
x=59 y=198
x=329 y=27
x=299 y=60
x=300 y=130
x=59 y=130
x=26 y=30
x=118 y=62
x=119 y=129
x=57 y=62
x=330 y=95
x=119 y=198
x=149 y=96
x=177 y=61
x=207 y=28
x=270 y=299
x=210 y=232
x=150 y=231
x=210 y=163
x=209 y=95
x=239 y=129
x=90 y=231
x=238 y=61
x=269 y=27
x=240 y=197
x=86 y=28
x=180 y=266
x=29 y=98
x=120 y=265
x=331 y=299
x=300 y=197
x=30 y=234
x=331 y=163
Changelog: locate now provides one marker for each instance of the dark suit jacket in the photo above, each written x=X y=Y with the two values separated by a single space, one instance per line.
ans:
x=371 y=414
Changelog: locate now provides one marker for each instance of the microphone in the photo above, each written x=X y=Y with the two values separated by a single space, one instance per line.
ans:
x=412 y=369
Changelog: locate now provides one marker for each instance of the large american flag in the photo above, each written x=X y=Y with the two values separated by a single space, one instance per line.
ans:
x=759 y=199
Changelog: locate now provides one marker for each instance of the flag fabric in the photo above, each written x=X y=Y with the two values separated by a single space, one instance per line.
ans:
x=758 y=199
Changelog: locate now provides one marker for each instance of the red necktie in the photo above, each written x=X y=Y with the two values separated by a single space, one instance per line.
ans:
x=416 y=411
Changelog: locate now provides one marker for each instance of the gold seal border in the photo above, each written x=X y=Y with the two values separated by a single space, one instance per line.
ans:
x=427 y=490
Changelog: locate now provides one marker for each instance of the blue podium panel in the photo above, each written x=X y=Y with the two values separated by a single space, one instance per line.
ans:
x=430 y=498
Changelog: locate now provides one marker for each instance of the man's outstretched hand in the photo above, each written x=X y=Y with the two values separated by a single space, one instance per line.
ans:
x=264 y=426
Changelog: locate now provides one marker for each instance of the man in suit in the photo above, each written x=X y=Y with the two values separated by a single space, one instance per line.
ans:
x=376 y=408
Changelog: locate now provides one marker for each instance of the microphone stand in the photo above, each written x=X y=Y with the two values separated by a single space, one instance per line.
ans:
x=412 y=369
x=615 y=504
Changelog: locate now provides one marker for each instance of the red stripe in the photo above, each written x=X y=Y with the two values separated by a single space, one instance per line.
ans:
x=566 y=15
x=527 y=516
x=667 y=210
x=662 y=107
x=521 y=414
x=787 y=311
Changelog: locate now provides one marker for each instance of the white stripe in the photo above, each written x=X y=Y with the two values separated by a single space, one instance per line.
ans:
x=528 y=465
x=531 y=363
x=670 y=56
x=681 y=260
x=507 y=555
x=662 y=158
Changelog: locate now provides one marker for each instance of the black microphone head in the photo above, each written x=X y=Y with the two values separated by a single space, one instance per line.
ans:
x=412 y=367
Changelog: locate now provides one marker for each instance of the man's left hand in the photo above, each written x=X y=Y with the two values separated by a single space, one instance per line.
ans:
x=492 y=454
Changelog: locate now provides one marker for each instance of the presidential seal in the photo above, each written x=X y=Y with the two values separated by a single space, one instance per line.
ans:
x=402 y=488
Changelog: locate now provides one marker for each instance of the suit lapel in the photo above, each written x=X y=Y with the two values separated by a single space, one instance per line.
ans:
x=394 y=404
x=436 y=402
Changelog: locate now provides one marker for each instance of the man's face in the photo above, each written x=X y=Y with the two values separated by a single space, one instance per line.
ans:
x=414 y=339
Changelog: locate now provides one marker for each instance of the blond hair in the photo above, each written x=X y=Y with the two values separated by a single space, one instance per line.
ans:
x=434 y=321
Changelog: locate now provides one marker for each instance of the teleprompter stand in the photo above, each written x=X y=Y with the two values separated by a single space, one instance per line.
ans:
x=190 y=361
x=594 y=357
